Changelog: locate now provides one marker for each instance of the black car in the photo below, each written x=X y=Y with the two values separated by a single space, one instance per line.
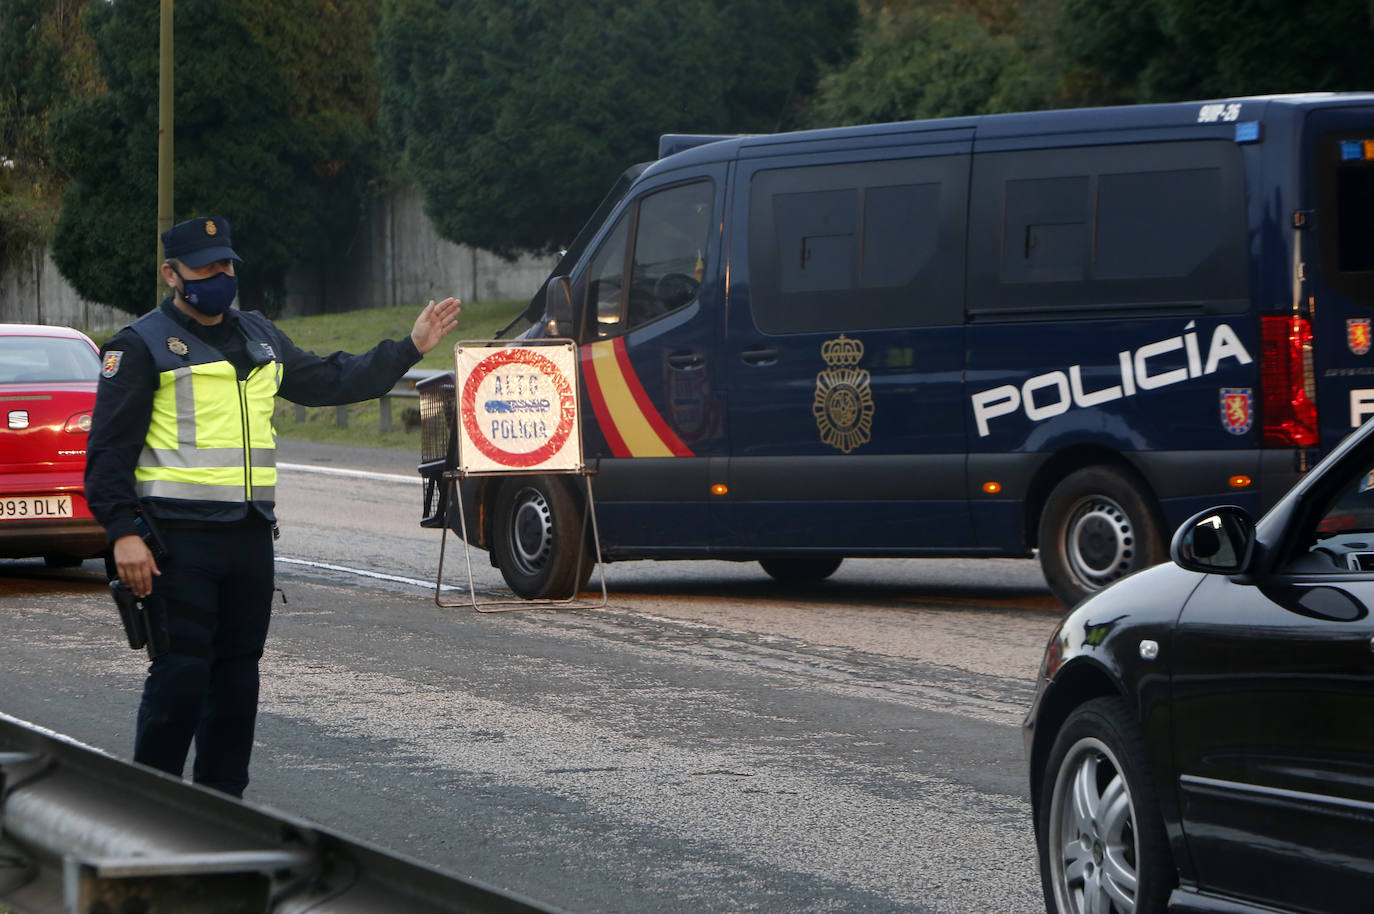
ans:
x=1202 y=738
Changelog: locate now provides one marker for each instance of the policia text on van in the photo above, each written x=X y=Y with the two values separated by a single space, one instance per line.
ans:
x=1064 y=331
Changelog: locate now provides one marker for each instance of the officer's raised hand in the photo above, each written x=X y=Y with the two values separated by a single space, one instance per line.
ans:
x=435 y=321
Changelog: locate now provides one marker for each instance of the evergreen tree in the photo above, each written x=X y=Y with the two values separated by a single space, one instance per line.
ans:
x=272 y=131
x=45 y=60
x=1169 y=50
x=514 y=116
x=936 y=58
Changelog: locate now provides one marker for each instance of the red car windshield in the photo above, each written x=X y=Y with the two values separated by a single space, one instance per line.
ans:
x=39 y=359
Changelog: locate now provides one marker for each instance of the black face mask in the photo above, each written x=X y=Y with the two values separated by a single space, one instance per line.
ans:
x=211 y=296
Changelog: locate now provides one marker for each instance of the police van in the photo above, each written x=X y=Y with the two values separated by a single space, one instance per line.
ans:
x=1060 y=331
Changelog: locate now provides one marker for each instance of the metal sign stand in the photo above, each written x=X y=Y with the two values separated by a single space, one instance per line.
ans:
x=486 y=606
x=453 y=477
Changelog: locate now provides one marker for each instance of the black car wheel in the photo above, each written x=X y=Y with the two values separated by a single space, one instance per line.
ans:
x=1100 y=835
x=1096 y=527
x=800 y=570
x=537 y=539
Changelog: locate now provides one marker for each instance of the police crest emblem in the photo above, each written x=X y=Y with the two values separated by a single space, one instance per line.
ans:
x=177 y=346
x=843 y=404
x=1357 y=335
x=1237 y=410
x=110 y=367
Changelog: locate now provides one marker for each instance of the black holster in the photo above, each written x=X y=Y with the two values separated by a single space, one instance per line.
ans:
x=145 y=620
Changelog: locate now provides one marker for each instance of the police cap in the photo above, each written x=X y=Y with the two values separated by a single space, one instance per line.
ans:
x=198 y=242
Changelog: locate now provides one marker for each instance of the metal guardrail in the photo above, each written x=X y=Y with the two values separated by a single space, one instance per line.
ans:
x=404 y=389
x=82 y=831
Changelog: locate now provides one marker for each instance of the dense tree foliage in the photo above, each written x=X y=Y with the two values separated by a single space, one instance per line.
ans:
x=274 y=130
x=1160 y=50
x=45 y=59
x=923 y=58
x=514 y=116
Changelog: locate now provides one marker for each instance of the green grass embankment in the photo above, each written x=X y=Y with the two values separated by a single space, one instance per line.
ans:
x=359 y=331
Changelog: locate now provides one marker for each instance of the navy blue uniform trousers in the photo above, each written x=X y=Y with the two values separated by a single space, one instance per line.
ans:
x=216 y=588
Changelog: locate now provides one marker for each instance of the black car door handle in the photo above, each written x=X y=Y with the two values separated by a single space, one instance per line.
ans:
x=685 y=359
x=759 y=356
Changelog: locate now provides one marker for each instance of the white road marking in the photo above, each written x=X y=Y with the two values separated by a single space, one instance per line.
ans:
x=363 y=573
x=356 y=474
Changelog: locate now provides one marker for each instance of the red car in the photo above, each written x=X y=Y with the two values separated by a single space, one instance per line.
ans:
x=47 y=391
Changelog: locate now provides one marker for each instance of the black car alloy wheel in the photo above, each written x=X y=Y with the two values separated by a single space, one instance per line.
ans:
x=1100 y=836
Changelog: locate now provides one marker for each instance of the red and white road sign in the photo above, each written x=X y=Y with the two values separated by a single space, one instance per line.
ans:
x=518 y=408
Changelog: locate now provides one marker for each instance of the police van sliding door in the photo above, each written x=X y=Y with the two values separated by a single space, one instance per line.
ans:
x=844 y=349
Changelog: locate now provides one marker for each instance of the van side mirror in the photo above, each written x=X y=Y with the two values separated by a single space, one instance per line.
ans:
x=558 y=309
x=1216 y=541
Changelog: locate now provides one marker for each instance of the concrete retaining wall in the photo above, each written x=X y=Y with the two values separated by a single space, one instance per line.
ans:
x=33 y=292
x=395 y=258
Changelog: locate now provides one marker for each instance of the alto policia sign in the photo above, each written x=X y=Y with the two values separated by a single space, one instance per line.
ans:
x=518 y=408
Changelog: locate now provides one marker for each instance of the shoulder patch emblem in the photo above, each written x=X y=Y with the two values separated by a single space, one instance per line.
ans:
x=110 y=367
x=843 y=404
x=177 y=346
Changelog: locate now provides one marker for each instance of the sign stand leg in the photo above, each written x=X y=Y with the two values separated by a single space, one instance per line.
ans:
x=485 y=606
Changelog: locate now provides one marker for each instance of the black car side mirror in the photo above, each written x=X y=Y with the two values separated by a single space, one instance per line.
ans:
x=1216 y=541
x=558 y=308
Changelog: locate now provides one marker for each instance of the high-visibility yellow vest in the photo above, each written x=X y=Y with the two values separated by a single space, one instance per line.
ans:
x=210 y=446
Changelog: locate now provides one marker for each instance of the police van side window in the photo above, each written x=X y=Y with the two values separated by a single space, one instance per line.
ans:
x=670 y=250
x=860 y=245
x=1102 y=229
x=606 y=281
x=671 y=229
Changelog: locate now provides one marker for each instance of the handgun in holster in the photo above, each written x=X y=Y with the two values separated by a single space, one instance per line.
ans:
x=144 y=618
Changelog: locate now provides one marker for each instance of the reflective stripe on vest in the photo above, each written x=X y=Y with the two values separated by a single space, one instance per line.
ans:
x=211 y=437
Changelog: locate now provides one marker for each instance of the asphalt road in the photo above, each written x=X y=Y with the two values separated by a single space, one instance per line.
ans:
x=707 y=742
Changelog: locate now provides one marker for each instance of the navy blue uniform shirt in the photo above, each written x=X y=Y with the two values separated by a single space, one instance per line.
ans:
x=124 y=402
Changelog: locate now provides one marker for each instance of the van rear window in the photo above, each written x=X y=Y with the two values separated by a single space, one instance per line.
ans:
x=1102 y=229
x=1355 y=217
x=1342 y=157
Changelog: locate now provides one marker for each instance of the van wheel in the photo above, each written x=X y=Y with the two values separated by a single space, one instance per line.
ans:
x=1099 y=834
x=536 y=539
x=1096 y=527
x=800 y=571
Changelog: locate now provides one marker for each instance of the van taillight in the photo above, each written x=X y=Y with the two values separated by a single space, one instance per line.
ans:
x=1289 y=404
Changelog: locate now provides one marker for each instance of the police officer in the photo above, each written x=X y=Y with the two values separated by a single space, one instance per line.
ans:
x=182 y=441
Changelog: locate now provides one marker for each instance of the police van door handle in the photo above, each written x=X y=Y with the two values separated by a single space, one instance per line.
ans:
x=759 y=356
x=685 y=359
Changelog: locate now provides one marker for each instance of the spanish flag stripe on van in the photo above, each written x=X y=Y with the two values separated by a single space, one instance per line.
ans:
x=630 y=423
x=598 y=401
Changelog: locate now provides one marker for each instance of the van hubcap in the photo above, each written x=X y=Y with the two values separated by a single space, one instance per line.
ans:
x=532 y=531
x=1100 y=542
